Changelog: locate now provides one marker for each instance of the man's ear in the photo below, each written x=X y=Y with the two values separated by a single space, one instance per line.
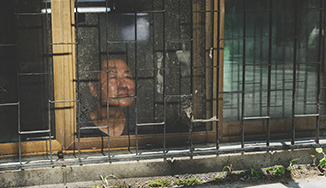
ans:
x=92 y=89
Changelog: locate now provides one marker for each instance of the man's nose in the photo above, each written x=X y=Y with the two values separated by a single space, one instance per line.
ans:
x=122 y=82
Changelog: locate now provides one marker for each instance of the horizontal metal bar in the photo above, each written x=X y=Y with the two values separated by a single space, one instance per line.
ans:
x=260 y=64
x=132 y=157
x=34 y=132
x=93 y=127
x=151 y=69
x=114 y=98
x=256 y=118
x=7 y=45
x=122 y=42
x=29 y=13
x=204 y=120
x=230 y=92
x=93 y=71
x=281 y=89
x=63 y=101
x=308 y=63
x=307 y=115
x=179 y=41
x=32 y=74
x=149 y=124
x=63 y=43
x=205 y=67
x=10 y=104
x=178 y=96
x=152 y=11
x=204 y=11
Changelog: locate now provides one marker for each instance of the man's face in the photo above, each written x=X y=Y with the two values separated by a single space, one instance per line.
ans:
x=117 y=83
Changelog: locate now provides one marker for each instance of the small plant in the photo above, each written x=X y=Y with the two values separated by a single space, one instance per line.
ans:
x=323 y=160
x=188 y=182
x=291 y=166
x=160 y=183
x=255 y=174
x=277 y=170
x=105 y=182
x=226 y=171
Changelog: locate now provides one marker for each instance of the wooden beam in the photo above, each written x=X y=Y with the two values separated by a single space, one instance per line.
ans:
x=220 y=61
x=63 y=39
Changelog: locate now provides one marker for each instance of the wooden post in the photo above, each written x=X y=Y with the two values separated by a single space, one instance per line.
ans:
x=63 y=39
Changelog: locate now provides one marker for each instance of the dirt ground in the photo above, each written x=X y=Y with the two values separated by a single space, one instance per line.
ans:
x=275 y=174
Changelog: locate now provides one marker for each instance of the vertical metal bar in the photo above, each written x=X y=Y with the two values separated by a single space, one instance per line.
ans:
x=136 y=80
x=320 y=60
x=294 y=69
x=270 y=46
x=192 y=73
x=78 y=80
x=243 y=73
x=20 y=146
x=217 y=141
x=164 y=76
x=50 y=140
x=107 y=76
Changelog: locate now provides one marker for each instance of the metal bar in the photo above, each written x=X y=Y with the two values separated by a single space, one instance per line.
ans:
x=114 y=98
x=307 y=115
x=63 y=43
x=93 y=127
x=256 y=118
x=122 y=41
x=7 y=45
x=136 y=77
x=282 y=90
x=107 y=78
x=29 y=14
x=164 y=78
x=182 y=153
x=179 y=41
x=322 y=11
x=32 y=74
x=308 y=63
x=33 y=132
x=149 y=124
x=78 y=81
x=204 y=120
x=230 y=92
x=9 y=104
x=49 y=125
x=259 y=64
x=19 y=137
x=205 y=67
x=294 y=69
x=243 y=73
x=63 y=101
x=269 y=80
x=151 y=11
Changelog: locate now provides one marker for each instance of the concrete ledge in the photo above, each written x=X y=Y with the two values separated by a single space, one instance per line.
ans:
x=150 y=168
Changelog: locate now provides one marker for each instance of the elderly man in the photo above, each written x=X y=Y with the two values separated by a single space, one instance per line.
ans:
x=115 y=90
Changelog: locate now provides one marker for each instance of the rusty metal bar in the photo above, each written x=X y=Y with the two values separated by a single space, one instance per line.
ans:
x=295 y=38
x=243 y=73
x=320 y=60
x=269 y=79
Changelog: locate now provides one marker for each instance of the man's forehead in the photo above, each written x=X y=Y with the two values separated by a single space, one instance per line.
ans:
x=114 y=65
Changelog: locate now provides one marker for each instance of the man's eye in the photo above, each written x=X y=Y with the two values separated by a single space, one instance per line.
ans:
x=112 y=77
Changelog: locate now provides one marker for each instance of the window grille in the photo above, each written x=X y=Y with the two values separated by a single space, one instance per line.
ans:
x=151 y=75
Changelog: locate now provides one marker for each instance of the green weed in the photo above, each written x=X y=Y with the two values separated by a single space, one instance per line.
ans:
x=323 y=160
x=160 y=183
x=188 y=182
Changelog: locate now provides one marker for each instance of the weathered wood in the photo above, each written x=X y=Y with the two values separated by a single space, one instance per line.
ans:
x=63 y=32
